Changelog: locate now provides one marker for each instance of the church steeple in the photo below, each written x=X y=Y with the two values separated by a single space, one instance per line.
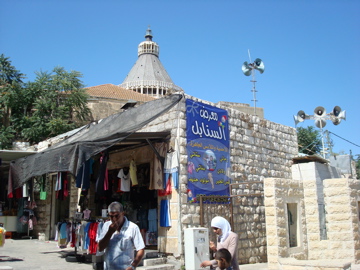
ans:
x=148 y=76
x=148 y=46
x=148 y=35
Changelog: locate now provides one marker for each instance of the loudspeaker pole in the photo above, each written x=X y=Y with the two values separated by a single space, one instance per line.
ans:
x=249 y=69
x=320 y=116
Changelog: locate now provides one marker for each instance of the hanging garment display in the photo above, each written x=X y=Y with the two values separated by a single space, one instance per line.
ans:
x=171 y=167
x=165 y=213
x=132 y=170
x=124 y=180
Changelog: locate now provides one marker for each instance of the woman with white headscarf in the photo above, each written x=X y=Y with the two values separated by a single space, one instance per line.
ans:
x=226 y=239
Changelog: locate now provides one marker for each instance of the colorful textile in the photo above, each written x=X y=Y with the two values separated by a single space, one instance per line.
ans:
x=165 y=213
x=171 y=167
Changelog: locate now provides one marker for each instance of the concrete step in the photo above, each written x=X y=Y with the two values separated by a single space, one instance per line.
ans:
x=153 y=261
x=157 y=267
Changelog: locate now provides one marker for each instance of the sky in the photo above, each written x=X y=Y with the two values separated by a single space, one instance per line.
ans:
x=310 y=49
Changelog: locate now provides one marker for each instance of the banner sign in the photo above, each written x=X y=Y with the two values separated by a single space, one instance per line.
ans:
x=207 y=131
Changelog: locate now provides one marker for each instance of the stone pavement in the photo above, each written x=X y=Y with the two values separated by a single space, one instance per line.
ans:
x=31 y=254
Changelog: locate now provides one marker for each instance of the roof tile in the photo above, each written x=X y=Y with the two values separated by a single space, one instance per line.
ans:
x=116 y=92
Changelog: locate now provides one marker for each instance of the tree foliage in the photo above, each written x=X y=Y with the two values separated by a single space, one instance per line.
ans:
x=309 y=140
x=54 y=103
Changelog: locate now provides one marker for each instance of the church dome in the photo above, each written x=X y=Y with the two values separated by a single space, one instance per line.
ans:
x=148 y=76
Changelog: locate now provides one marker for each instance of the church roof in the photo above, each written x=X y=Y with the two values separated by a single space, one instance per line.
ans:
x=116 y=92
x=148 y=71
x=148 y=68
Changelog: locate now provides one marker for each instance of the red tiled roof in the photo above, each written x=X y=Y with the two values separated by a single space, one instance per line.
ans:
x=116 y=92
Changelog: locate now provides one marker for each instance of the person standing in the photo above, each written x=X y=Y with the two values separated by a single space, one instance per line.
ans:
x=225 y=239
x=119 y=238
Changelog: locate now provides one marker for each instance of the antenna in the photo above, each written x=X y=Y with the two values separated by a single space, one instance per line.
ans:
x=249 y=69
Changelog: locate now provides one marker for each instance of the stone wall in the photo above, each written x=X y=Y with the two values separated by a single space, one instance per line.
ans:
x=335 y=241
x=258 y=149
x=278 y=194
x=101 y=108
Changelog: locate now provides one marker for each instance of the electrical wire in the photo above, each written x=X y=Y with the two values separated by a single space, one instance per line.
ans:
x=309 y=149
x=344 y=139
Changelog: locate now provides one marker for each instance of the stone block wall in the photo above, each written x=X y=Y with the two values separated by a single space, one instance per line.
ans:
x=102 y=108
x=342 y=221
x=278 y=194
x=258 y=149
x=340 y=196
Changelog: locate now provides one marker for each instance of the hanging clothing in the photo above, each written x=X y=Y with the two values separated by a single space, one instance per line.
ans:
x=124 y=181
x=156 y=181
x=171 y=167
x=142 y=216
x=165 y=220
x=132 y=171
x=87 y=213
x=10 y=184
x=92 y=238
x=83 y=177
x=167 y=191
x=152 y=219
x=102 y=182
x=58 y=184
x=26 y=189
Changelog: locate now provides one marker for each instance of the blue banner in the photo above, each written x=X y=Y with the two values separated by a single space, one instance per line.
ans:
x=207 y=131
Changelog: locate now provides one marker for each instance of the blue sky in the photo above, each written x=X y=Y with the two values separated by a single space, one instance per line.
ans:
x=310 y=48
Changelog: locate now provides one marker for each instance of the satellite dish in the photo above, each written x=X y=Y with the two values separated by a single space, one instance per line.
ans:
x=259 y=65
x=246 y=69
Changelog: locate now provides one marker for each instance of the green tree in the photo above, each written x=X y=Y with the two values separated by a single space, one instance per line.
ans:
x=309 y=140
x=10 y=83
x=54 y=103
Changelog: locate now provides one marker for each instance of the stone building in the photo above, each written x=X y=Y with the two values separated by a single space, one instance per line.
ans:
x=259 y=149
x=312 y=219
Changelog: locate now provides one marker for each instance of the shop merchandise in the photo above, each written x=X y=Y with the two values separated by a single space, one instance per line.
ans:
x=165 y=213
x=80 y=235
x=171 y=167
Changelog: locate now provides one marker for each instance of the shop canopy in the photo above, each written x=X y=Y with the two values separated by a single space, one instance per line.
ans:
x=69 y=154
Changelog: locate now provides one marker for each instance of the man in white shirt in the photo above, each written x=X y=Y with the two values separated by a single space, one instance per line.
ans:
x=119 y=237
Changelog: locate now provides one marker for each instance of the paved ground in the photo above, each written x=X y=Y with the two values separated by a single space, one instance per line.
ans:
x=31 y=254
x=26 y=254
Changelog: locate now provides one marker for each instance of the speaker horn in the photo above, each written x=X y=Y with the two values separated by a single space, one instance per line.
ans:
x=320 y=111
x=337 y=115
x=300 y=117
x=246 y=69
x=259 y=65
x=336 y=111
